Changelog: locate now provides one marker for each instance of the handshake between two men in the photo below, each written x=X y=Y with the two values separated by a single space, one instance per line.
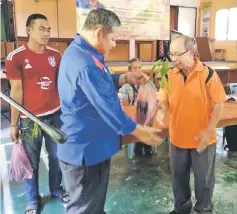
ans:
x=148 y=135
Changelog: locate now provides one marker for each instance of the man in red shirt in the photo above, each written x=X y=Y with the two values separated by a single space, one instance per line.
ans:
x=32 y=71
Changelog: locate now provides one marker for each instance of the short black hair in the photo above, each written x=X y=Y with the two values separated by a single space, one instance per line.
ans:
x=102 y=17
x=34 y=17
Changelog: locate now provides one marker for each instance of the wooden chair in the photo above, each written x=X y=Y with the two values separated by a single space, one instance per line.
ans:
x=54 y=45
x=63 y=46
x=10 y=46
x=3 y=51
x=20 y=43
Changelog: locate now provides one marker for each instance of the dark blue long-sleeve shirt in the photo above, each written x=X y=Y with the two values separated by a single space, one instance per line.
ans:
x=91 y=112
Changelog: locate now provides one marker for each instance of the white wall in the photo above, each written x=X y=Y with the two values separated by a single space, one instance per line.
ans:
x=186 y=3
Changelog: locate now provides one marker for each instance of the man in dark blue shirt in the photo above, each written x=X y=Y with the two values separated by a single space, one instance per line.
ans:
x=92 y=115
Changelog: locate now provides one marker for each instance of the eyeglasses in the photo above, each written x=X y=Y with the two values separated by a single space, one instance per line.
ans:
x=178 y=54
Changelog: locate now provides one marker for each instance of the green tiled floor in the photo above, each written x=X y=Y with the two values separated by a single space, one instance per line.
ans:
x=140 y=186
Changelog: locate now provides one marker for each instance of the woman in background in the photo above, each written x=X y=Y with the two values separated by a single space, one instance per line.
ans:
x=129 y=94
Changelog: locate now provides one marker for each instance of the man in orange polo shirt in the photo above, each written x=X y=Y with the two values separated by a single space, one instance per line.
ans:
x=194 y=104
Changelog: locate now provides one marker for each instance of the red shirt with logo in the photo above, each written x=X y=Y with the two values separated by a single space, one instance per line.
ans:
x=38 y=73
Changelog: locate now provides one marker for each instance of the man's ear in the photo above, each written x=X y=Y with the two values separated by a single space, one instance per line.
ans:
x=192 y=52
x=28 y=31
x=99 y=34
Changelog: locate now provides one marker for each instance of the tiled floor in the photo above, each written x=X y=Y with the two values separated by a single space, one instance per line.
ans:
x=140 y=186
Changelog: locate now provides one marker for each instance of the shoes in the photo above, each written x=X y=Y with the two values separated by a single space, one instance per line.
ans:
x=148 y=151
x=138 y=150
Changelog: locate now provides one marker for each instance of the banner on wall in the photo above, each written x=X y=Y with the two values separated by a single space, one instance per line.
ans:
x=141 y=20
x=205 y=19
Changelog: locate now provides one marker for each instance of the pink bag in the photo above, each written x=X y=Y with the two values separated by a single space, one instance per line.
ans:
x=146 y=105
x=20 y=167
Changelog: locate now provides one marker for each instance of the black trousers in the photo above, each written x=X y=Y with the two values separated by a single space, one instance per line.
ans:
x=86 y=186
x=203 y=165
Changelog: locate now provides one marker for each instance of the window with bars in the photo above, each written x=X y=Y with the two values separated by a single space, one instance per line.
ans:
x=225 y=27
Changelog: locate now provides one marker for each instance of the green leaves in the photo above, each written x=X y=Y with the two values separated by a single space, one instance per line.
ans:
x=159 y=71
x=170 y=66
x=157 y=63
x=30 y=133
x=36 y=132
x=165 y=68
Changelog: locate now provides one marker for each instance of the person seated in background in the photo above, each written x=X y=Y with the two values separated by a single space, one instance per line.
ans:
x=129 y=94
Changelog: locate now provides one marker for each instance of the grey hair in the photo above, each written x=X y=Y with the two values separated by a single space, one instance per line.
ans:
x=133 y=60
x=189 y=44
x=102 y=18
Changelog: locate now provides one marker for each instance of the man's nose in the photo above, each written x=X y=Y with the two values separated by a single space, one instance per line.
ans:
x=137 y=69
x=173 y=58
x=46 y=33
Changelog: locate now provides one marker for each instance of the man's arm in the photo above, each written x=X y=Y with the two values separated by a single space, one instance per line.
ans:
x=216 y=116
x=204 y=137
x=147 y=135
x=100 y=94
x=162 y=106
x=13 y=68
x=135 y=78
x=17 y=95
x=162 y=112
x=217 y=95
x=116 y=78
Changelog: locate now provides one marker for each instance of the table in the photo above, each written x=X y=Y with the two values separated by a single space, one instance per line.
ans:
x=228 y=118
x=227 y=75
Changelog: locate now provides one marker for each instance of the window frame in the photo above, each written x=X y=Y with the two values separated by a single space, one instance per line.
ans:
x=228 y=25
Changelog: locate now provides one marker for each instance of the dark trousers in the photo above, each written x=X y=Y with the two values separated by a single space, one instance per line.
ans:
x=87 y=187
x=203 y=165
x=32 y=148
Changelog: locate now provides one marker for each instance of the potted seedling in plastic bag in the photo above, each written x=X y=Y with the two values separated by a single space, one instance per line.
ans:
x=146 y=106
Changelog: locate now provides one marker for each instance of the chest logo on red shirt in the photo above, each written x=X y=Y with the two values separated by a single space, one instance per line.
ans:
x=52 y=61
x=27 y=62
x=44 y=83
